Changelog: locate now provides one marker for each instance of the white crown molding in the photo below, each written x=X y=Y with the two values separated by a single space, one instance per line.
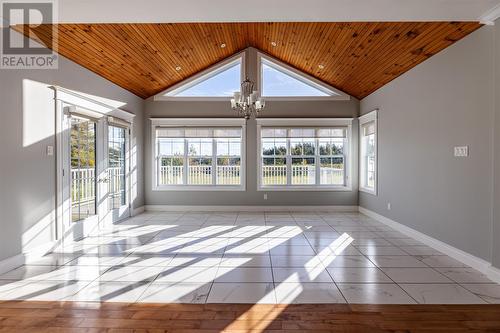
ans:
x=489 y=17
x=468 y=259
x=161 y=11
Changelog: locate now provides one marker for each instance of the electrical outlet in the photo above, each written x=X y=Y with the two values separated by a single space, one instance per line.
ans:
x=265 y=196
x=388 y=206
x=462 y=151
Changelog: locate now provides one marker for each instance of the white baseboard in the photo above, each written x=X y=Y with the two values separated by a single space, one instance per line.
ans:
x=21 y=259
x=171 y=208
x=137 y=211
x=468 y=259
x=11 y=263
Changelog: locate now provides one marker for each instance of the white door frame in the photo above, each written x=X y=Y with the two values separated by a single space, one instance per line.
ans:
x=124 y=211
x=96 y=109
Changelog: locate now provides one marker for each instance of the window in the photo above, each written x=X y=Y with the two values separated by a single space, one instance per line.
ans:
x=280 y=80
x=188 y=157
x=368 y=152
x=303 y=157
x=220 y=81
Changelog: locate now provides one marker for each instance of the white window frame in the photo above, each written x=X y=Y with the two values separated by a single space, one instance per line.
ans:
x=198 y=122
x=362 y=120
x=334 y=93
x=167 y=95
x=309 y=122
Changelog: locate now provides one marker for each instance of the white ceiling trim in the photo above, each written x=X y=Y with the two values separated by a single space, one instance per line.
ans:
x=490 y=16
x=163 y=11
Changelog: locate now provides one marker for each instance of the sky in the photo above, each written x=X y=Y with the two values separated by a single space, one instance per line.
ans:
x=275 y=84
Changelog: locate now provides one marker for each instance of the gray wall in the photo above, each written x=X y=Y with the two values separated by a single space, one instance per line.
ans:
x=27 y=174
x=444 y=102
x=496 y=154
x=274 y=109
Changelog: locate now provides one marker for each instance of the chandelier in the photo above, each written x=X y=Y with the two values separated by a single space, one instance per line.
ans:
x=247 y=101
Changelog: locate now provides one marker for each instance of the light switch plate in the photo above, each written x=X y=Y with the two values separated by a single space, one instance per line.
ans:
x=461 y=151
x=50 y=150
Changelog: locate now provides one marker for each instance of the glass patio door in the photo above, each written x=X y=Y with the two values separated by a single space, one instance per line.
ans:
x=97 y=160
x=83 y=172
x=117 y=196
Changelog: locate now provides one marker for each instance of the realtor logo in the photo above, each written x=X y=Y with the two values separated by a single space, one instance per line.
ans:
x=28 y=34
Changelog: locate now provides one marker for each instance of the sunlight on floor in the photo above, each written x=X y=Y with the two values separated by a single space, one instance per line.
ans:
x=247 y=257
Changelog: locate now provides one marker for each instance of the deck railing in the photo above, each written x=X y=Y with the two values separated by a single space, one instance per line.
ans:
x=83 y=183
x=200 y=175
x=230 y=175
x=301 y=175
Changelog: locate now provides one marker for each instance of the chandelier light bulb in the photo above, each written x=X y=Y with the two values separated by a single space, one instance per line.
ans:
x=247 y=101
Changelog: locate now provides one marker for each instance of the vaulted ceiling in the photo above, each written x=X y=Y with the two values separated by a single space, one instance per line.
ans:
x=357 y=58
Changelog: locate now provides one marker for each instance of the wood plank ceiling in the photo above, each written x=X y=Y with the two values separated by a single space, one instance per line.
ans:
x=357 y=58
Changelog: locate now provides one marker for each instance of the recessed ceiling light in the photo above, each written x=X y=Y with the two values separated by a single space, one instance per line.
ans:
x=321 y=66
x=178 y=68
x=223 y=45
x=274 y=43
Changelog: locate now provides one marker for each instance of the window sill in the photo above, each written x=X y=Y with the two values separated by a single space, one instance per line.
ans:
x=208 y=188
x=368 y=191
x=306 y=188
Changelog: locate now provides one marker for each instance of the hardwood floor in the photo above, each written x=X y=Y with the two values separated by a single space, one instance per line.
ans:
x=41 y=317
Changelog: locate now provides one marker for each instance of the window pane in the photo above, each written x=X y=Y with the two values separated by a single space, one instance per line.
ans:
x=368 y=162
x=267 y=147
x=178 y=147
x=164 y=147
x=369 y=128
x=235 y=147
x=280 y=147
x=332 y=171
x=299 y=147
x=194 y=148
x=279 y=83
x=200 y=171
x=228 y=171
x=274 y=171
x=296 y=147
x=224 y=83
x=228 y=147
x=303 y=171
x=274 y=147
x=273 y=132
x=308 y=146
x=228 y=162
x=331 y=147
x=171 y=171
x=222 y=147
x=332 y=133
x=325 y=147
x=206 y=147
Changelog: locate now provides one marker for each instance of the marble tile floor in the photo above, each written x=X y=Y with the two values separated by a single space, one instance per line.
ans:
x=248 y=257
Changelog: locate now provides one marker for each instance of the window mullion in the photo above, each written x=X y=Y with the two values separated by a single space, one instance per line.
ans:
x=214 y=161
x=317 y=161
x=288 y=162
x=185 y=164
x=345 y=161
x=158 y=163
